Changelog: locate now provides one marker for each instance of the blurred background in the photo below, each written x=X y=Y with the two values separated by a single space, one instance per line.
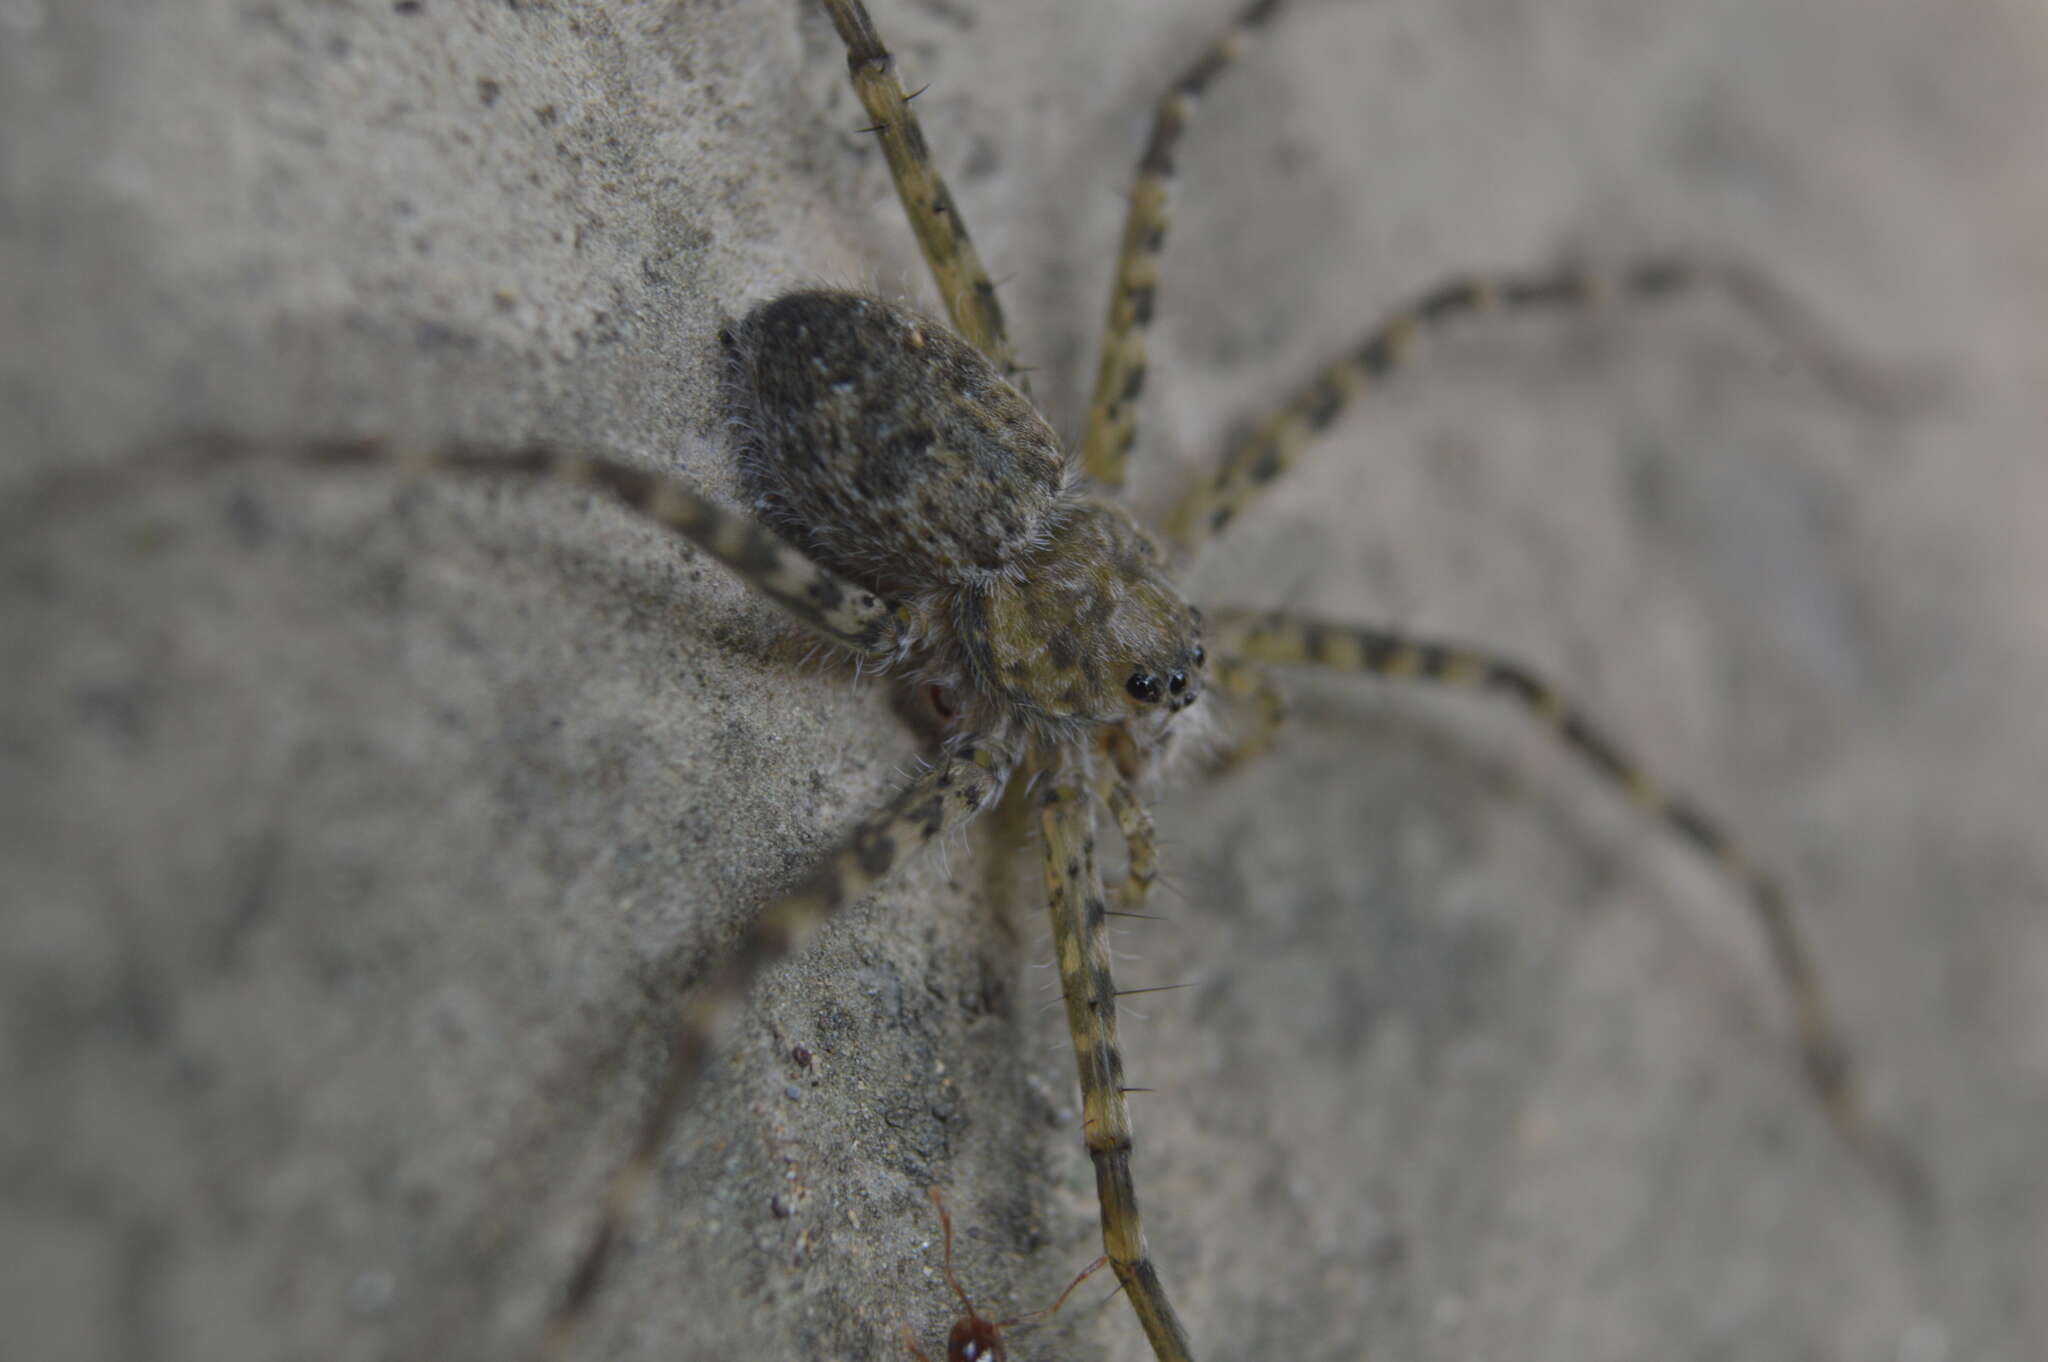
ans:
x=357 y=833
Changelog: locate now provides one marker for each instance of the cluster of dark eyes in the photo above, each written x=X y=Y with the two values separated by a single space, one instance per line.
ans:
x=1148 y=688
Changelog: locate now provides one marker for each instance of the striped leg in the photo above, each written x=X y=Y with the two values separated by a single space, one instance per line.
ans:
x=1115 y=785
x=1291 y=640
x=1260 y=454
x=1113 y=412
x=1081 y=943
x=969 y=293
x=842 y=612
x=944 y=798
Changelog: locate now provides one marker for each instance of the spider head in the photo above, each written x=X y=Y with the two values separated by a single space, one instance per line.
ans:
x=1091 y=631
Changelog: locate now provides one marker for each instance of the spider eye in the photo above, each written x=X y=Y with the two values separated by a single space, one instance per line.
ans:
x=1178 y=682
x=1143 y=686
x=1200 y=656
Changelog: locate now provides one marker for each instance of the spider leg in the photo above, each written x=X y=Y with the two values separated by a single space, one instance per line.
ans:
x=875 y=628
x=1300 y=641
x=1116 y=786
x=1260 y=453
x=945 y=797
x=1113 y=411
x=1134 y=824
x=1081 y=945
x=941 y=234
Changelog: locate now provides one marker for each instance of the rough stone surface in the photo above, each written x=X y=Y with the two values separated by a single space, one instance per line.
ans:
x=357 y=832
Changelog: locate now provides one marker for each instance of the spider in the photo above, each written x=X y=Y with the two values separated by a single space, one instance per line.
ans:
x=377 y=879
x=916 y=512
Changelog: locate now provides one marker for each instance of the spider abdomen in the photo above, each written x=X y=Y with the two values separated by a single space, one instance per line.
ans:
x=887 y=447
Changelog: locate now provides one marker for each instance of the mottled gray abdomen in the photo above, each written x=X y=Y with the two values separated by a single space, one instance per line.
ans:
x=885 y=446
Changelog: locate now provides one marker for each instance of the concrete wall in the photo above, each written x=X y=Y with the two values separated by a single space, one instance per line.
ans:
x=358 y=832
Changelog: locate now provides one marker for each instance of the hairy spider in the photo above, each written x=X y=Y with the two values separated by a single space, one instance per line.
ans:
x=264 y=869
x=917 y=511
